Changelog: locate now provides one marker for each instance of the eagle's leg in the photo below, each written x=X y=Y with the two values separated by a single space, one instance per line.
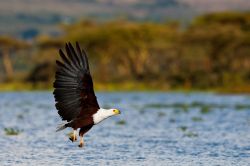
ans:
x=81 y=141
x=73 y=137
x=82 y=131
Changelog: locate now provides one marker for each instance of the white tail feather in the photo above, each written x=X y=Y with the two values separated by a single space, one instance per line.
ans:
x=61 y=127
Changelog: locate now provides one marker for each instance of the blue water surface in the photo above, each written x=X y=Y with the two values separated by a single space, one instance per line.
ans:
x=153 y=129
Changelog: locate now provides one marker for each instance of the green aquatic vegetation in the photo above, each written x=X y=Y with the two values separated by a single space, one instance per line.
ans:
x=12 y=131
x=183 y=128
x=197 y=119
x=205 y=109
x=187 y=133
x=183 y=107
x=157 y=105
x=190 y=134
x=121 y=122
x=240 y=107
x=177 y=105
x=197 y=104
x=178 y=111
x=180 y=105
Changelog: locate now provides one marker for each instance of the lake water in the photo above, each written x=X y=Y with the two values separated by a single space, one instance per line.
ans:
x=153 y=129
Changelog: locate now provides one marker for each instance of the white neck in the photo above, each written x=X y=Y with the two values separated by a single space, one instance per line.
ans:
x=102 y=114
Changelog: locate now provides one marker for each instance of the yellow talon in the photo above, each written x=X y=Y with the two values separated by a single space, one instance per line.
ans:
x=73 y=136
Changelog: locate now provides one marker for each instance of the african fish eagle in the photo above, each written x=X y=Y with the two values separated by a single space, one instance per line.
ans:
x=74 y=93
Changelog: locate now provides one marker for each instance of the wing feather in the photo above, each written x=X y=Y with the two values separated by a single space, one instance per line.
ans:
x=66 y=60
x=71 y=57
x=65 y=67
x=74 y=93
x=85 y=60
x=76 y=58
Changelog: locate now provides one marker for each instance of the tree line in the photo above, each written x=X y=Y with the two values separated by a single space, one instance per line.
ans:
x=213 y=51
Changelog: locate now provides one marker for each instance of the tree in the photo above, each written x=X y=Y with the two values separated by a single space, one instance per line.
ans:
x=8 y=45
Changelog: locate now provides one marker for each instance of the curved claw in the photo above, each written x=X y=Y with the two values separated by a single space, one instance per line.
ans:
x=73 y=136
x=81 y=142
x=80 y=145
x=72 y=139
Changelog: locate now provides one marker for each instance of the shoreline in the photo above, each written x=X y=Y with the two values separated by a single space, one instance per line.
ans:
x=125 y=87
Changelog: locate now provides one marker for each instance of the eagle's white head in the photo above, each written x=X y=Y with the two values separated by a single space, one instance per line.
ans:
x=102 y=114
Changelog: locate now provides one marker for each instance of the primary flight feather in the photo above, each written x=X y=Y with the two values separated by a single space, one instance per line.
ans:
x=74 y=93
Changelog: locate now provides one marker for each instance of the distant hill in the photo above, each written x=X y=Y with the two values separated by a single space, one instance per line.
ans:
x=27 y=18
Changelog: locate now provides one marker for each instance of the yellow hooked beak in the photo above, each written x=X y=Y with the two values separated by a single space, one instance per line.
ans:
x=116 y=111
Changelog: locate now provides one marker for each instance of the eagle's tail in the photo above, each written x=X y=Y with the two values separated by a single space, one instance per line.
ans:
x=61 y=127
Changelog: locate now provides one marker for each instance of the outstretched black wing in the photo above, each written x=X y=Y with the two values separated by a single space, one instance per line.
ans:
x=74 y=93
